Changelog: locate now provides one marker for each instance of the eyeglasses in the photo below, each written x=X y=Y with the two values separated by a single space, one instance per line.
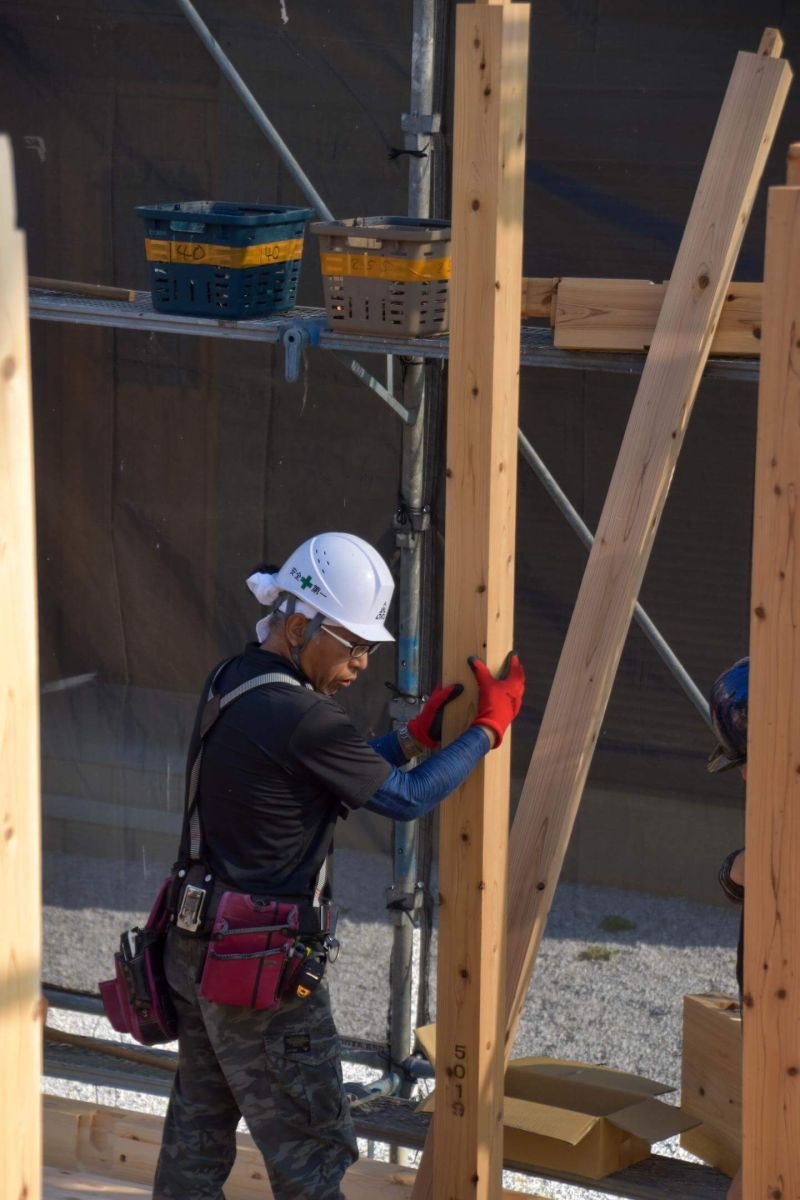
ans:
x=355 y=649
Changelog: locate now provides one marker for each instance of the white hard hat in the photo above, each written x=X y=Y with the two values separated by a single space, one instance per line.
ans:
x=341 y=577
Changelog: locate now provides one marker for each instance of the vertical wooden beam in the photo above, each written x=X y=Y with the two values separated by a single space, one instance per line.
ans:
x=793 y=165
x=20 y=875
x=633 y=507
x=771 y=1066
x=483 y=402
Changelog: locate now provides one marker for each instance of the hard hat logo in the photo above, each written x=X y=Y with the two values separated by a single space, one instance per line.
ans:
x=306 y=582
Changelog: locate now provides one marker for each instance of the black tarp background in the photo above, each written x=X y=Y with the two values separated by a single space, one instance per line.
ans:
x=168 y=467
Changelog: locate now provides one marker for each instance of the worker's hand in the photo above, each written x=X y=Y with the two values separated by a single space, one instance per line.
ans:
x=426 y=727
x=499 y=699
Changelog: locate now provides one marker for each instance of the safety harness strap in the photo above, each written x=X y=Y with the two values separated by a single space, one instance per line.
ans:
x=214 y=706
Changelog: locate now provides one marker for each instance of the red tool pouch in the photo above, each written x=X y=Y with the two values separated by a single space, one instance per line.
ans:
x=137 y=1000
x=249 y=962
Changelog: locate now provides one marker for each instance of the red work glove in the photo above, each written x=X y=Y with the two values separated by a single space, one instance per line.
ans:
x=426 y=727
x=499 y=699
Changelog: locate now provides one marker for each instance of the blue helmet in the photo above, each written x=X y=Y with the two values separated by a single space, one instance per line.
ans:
x=728 y=702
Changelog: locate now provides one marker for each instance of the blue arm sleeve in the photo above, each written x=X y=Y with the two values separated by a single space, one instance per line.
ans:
x=407 y=795
x=388 y=746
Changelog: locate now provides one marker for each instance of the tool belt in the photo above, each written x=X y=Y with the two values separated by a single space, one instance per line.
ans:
x=137 y=1000
x=260 y=952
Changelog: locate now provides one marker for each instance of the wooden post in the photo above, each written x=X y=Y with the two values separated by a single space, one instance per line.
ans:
x=793 y=165
x=771 y=1066
x=21 y=1009
x=483 y=401
x=636 y=497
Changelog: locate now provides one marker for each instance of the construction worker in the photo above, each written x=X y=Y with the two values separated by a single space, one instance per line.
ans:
x=728 y=704
x=279 y=766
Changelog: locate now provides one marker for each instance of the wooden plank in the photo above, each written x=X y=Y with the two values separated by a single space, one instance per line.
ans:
x=100 y=291
x=771 y=1092
x=124 y=1146
x=21 y=1009
x=793 y=165
x=771 y=44
x=78 y=1185
x=585 y=673
x=538 y=297
x=711 y=1079
x=483 y=403
x=621 y=315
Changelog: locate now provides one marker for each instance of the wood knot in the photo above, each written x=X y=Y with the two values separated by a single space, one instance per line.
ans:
x=760 y=612
x=702 y=282
x=9 y=366
x=475 y=205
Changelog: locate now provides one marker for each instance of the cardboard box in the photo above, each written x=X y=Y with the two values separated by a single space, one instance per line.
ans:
x=711 y=1084
x=575 y=1117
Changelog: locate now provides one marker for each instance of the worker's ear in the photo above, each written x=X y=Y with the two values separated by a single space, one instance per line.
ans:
x=295 y=628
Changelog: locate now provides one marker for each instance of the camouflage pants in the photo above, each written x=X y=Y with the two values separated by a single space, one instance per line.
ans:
x=279 y=1070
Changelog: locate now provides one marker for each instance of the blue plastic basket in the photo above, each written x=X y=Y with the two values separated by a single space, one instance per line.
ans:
x=212 y=259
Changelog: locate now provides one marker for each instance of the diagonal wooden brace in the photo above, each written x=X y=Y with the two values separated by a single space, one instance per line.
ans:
x=678 y=353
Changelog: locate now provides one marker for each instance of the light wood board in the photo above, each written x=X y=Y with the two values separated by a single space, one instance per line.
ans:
x=772 y=873
x=711 y=1080
x=621 y=315
x=638 y=491
x=482 y=418
x=21 y=1012
x=118 y=1147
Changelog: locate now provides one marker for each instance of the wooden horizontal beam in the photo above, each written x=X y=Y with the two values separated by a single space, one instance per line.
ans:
x=99 y=291
x=621 y=314
x=120 y=1145
x=538 y=297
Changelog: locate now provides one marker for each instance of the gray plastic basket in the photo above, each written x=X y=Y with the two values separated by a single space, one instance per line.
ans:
x=386 y=274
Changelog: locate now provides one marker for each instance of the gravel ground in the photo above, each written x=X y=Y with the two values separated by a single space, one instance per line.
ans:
x=621 y=1006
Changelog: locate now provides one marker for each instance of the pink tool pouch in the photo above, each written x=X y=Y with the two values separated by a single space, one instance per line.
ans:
x=137 y=1000
x=249 y=962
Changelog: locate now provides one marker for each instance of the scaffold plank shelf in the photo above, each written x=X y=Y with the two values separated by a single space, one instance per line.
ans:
x=536 y=348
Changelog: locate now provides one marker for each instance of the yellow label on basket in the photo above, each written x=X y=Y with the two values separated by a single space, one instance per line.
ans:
x=378 y=266
x=205 y=254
